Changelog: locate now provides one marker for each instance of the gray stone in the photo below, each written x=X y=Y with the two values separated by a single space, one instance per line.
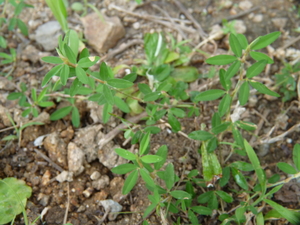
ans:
x=4 y=119
x=86 y=140
x=101 y=183
x=75 y=159
x=64 y=176
x=108 y=157
x=102 y=35
x=113 y=207
x=47 y=35
x=56 y=148
x=6 y=85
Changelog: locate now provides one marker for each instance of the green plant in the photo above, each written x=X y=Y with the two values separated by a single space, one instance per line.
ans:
x=13 y=197
x=286 y=80
x=11 y=23
x=162 y=92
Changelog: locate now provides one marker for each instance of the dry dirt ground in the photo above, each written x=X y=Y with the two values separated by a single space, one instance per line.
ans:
x=97 y=182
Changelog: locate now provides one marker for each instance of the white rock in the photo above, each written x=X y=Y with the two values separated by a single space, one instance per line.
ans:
x=101 y=183
x=75 y=159
x=245 y=5
x=95 y=175
x=279 y=22
x=113 y=207
x=240 y=26
x=47 y=35
x=258 y=18
x=136 y=25
x=64 y=176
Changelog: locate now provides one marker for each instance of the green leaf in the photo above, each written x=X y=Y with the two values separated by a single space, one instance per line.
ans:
x=119 y=83
x=13 y=198
x=81 y=75
x=209 y=95
x=64 y=74
x=125 y=154
x=239 y=178
x=152 y=96
x=163 y=153
x=242 y=40
x=130 y=182
x=224 y=105
x=70 y=54
x=244 y=93
x=107 y=109
x=22 y=26
x=60 y=113
x=226 y=83
x=265 y=40
x=232 y=70
x=202 y=210
x=238 y=137
x=86 y=61
x=263 y=89
x=286 y=168
x=144 y=143
x=226 y=197
x=60 y=13
x=240 y=215
x=121 y=105
x=124 y=168
x=258 y=56
x=296 y=156
x=104 y=73
x=256 y=165
x=75 y=117
x=180 y=194
x=256 y=68
x=146 y=177
x=221 y=60
x=225 y=176
x=244 y=166
x=178 y=112
x=291 y=216
x=144 y=88
x=54 y=71
x=3 y=43
x=169 y=176
x=220 y=128
x=200 y=135
x=246 y=125
x=175 y=124
x=108 y=95
x=151 y=158
x=235 y=45
x=72 y=39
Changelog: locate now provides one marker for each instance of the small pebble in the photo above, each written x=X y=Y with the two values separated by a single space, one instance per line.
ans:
x=136 y=25
x=258 y=18
x=245 y=5
x=95 y=175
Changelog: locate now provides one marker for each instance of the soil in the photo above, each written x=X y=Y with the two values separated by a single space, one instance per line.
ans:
x=80 y=197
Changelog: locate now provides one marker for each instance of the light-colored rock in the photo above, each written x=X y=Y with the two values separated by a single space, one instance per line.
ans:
x=87 y=192
x=31 y=53
x=279 y=22
x=136 y=25
x=113 y=207
x=64 y=176
x=101 y=183
x=258 y=18
x=245 y=5
x=115 y=189
x=75 y=159
x=95 y=175
x=108 y=157
x=216 y=32
x=46 y=178
x=6 y=85
x=56 y=149
x=47 y=35
x=86 y=140
x=102 y=35
x=240 y=26
x=4 y=119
